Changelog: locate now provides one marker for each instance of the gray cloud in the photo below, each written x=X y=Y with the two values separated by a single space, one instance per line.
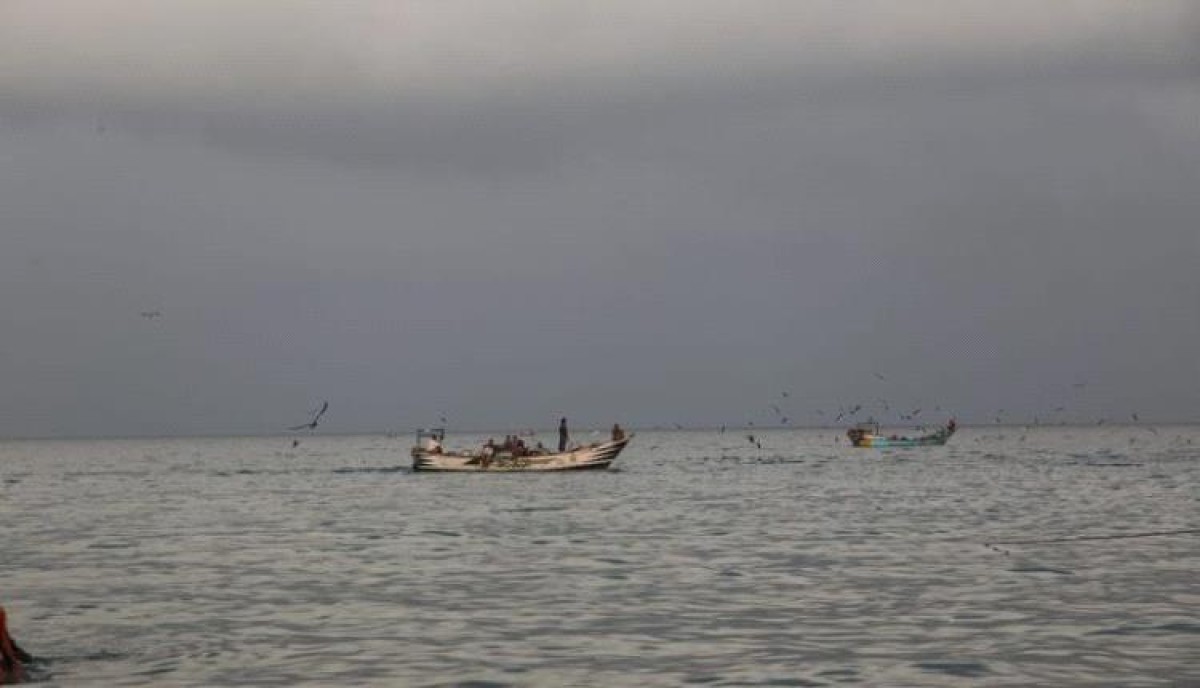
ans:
x=311 y=54
x=654 y=214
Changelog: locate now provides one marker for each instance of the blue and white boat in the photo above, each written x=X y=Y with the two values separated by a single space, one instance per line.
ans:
x=868 y=435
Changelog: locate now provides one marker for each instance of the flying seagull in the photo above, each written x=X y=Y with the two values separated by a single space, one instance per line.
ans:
x=315 y=419
x=149 y=315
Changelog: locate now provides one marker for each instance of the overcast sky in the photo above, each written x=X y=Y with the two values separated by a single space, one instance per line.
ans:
x=652 y=212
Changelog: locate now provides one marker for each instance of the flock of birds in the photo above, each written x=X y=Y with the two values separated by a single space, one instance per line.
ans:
x=880 y=410
x=847 y=412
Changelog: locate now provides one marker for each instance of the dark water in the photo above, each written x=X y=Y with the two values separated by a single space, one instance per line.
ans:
x=701 y=561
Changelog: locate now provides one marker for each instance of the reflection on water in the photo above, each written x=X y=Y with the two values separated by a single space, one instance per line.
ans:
x=702 y=560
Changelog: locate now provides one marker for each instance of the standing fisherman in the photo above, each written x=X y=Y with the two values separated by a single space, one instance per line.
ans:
x=563 y=435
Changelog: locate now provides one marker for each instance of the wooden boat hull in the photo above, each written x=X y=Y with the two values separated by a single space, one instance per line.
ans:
x=592 y=457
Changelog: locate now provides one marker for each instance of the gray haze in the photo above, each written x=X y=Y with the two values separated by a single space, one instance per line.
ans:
x=658 y=213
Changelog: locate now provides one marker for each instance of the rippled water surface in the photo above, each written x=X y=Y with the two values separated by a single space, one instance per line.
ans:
x=700 y=560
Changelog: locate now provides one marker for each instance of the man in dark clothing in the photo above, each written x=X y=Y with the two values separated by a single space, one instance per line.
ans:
x=563 y=435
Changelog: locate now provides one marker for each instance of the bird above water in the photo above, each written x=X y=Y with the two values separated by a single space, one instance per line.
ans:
x=315 y=419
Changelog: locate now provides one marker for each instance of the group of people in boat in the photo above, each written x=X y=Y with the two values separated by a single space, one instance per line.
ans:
x=512 y=445
x=516 y=447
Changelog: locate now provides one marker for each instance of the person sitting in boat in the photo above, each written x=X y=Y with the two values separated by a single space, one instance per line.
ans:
x=952 y=425
x=617 y=433
x=12 y=658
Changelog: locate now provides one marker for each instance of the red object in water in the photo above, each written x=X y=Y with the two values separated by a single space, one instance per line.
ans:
x=11 y=669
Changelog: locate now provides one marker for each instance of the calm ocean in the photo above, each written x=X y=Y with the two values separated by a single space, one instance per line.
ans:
x=699 y=560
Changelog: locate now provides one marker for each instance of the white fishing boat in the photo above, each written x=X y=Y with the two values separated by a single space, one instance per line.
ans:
x=429 y=455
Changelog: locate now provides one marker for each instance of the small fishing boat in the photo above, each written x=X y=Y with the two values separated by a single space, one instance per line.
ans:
x=429 y=455
x=868 y=435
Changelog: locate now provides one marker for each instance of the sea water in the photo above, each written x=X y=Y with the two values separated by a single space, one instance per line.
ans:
x=700 y=559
